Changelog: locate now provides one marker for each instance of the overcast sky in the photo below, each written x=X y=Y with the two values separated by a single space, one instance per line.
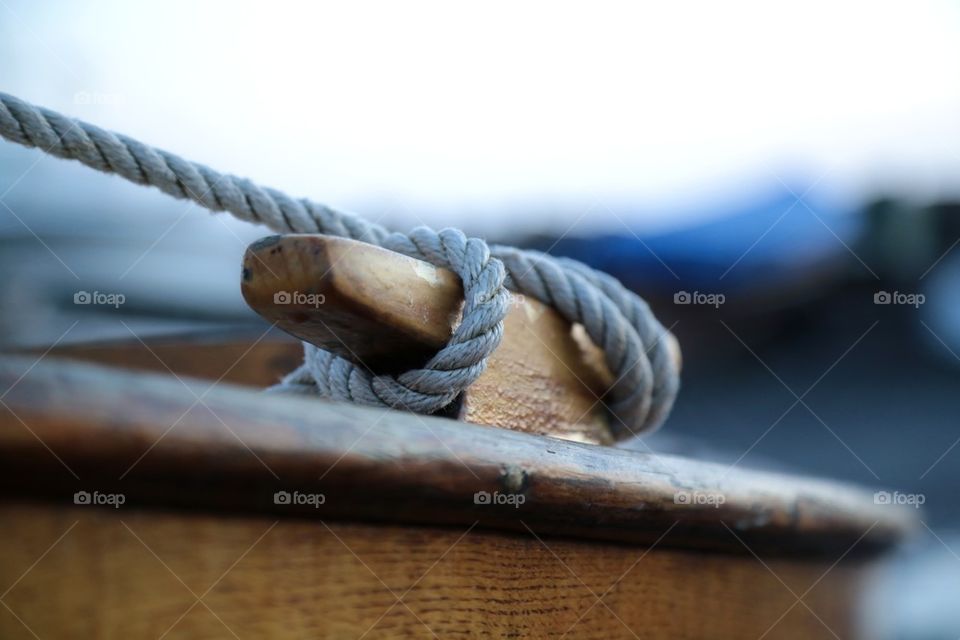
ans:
x=440 y=108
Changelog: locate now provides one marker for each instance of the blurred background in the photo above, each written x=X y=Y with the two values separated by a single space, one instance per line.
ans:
x=780 y=181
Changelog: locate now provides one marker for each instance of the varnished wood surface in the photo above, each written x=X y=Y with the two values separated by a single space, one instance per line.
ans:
x=161 y=441
x=84 y=572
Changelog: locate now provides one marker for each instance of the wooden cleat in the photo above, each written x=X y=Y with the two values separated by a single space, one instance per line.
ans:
x=389 y=313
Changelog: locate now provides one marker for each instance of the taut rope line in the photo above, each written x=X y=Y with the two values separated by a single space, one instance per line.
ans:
x=616 y=320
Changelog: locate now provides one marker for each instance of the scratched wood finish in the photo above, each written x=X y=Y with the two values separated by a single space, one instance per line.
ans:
x=390 y=313
x=117 y=573
x=163 y=441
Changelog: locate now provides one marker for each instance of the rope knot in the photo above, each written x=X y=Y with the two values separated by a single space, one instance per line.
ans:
x=455 y=366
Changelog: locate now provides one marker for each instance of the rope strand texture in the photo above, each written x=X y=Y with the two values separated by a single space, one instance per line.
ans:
x=614 y=318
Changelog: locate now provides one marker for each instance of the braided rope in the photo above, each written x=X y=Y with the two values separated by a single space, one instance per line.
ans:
x=614 y=318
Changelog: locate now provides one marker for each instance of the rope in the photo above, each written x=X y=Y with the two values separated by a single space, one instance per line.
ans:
x=614 y=318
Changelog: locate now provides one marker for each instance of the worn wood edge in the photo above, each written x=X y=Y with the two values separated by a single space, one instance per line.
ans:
x=306 y=578
x=261 y=359
x=233 y=450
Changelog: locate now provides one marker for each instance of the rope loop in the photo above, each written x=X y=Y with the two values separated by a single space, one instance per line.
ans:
x=455 y=366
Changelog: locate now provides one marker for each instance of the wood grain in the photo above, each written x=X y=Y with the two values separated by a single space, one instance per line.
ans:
x=163 y=441
x=119 y=573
